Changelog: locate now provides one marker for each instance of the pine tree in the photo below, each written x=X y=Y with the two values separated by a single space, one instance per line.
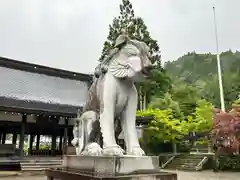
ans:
x=135 y=28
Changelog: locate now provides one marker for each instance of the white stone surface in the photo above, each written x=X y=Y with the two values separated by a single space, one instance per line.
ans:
x=117 y=95
x=108 y=165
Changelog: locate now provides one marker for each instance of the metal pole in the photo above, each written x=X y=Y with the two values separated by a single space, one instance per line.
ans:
x=219 y=64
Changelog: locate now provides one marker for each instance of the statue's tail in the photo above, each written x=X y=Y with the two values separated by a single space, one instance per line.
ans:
x=82 y=131
x=78 y=133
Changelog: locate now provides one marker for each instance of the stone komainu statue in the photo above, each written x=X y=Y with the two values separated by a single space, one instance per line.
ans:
x=112 y=102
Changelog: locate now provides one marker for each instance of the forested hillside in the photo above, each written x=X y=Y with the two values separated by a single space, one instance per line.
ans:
x=200 y=70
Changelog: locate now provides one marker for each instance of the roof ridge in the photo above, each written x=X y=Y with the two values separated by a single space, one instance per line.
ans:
x=41 y=69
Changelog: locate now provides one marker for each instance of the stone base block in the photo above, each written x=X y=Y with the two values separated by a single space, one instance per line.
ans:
x=71 y=150
x=63 y=174
x=111 y=166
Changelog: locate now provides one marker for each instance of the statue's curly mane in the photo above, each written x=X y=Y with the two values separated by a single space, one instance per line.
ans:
x=93 y=102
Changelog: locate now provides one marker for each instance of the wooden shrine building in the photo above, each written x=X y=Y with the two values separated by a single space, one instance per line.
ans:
x=37 y=100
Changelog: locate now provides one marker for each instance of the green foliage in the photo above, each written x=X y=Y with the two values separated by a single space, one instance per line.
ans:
x=203 y=116
x=237 y=102
x=200 y=71
x=157 y=84
x=164 y=127
x=202 y=141
x=44 y=146
x=167 y=103
x=229 y=163
x=187 y=97
x=25 y=148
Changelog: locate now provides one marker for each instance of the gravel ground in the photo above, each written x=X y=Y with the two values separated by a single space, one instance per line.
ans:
x=205 y=175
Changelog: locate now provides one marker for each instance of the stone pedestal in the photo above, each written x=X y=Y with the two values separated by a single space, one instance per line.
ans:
x=104 y=167
x=111 y=166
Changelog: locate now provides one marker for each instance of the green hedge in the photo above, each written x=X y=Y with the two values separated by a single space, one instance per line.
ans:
x=228 y=163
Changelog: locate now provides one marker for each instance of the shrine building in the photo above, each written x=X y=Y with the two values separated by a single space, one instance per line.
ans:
x=38 y=100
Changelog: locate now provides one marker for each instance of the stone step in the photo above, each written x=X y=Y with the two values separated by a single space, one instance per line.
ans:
x=38 y=168
x=34 y=169
x=185 y=162
x=182 y=166
x=189 y=164
x=190 y=159
x=40 y=164
x=186 y=169
x=40 y=161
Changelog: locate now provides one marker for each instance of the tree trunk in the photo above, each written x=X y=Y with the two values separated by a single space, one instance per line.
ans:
x=140 y=98
x=144 y=101
x=174 y=145
x=209 y=146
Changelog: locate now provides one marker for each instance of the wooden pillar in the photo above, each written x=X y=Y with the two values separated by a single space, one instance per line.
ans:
x=4 y=137
x=69 y=140
x=53 y=147
x=60 y=143
x=22 y=134
x=14 y=138
x=55 y=122
x=31 y=144
x=38 y=141
x=65 y=138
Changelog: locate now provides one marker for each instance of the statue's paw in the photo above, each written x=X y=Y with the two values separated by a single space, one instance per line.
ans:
x=92 y=149
x=78 y=151
x=113 y=151
x=136 y=151
x=75 y=142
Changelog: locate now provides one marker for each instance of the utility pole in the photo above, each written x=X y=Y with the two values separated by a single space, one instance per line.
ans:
x=219 y=64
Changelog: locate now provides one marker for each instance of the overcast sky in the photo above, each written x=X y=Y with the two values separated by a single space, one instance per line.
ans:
x=69 y=34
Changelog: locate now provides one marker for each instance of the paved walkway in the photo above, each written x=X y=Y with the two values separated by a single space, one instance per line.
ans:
x=206 y=175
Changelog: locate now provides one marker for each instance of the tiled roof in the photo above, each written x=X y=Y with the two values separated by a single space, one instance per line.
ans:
x=40 y=91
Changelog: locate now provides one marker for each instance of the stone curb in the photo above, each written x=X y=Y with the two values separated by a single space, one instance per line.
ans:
x=8 y=174
x=21 y=173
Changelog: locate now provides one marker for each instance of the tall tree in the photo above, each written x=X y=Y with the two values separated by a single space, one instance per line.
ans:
x=135 y=28
x=187 y=97
x=167 y=103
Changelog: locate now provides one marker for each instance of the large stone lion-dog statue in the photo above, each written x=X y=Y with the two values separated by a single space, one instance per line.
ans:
x=112 y=102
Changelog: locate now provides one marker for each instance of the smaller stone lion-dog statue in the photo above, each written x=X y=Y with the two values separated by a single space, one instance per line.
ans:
x=112 y=102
